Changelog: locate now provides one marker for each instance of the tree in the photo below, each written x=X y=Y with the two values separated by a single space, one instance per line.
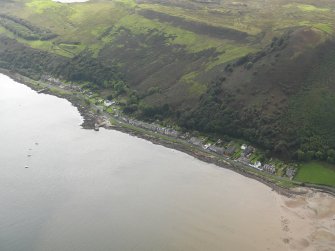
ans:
x=319 y=155
x=310 y=155
x=300 y=155
x=281 y=147
x=119 y=87
x=331 y=153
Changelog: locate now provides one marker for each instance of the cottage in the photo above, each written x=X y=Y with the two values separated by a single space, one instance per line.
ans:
x=218 y=150
x=269 y=168
x=244 y=160
x=206 y=146
x=248 y=150
x=108 y=103
x=257 y=165
x=290 y=172
x=195 y=141
x=230 y=150
x=172 y=133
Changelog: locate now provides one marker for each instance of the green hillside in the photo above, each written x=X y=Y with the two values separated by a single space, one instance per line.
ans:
x=262 y=71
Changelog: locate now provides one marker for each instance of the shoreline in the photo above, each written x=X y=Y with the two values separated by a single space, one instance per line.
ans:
x=90 y=119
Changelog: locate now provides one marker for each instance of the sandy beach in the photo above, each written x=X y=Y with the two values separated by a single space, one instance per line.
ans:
x=308 y=221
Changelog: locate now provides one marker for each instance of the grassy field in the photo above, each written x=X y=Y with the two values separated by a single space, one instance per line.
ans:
x=87 y=22
x=317 y=173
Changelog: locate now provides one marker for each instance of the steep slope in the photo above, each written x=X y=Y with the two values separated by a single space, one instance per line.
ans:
x=282 y=97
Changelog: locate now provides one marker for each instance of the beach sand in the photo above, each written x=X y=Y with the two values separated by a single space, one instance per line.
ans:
x=308 y=221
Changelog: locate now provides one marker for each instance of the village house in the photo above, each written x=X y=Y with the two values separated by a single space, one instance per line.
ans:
x=230 y=150
x=195 y=141
x=257 y=165
x=184 y=136
x=269 y=168
x=290 y=172
x=109 y=103
x=154 y=127
x=218 y=150
x=206 y=146
x=244 y=160
x=248 y=150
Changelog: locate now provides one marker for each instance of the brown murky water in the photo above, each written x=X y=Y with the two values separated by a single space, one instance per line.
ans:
x=86 y=190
